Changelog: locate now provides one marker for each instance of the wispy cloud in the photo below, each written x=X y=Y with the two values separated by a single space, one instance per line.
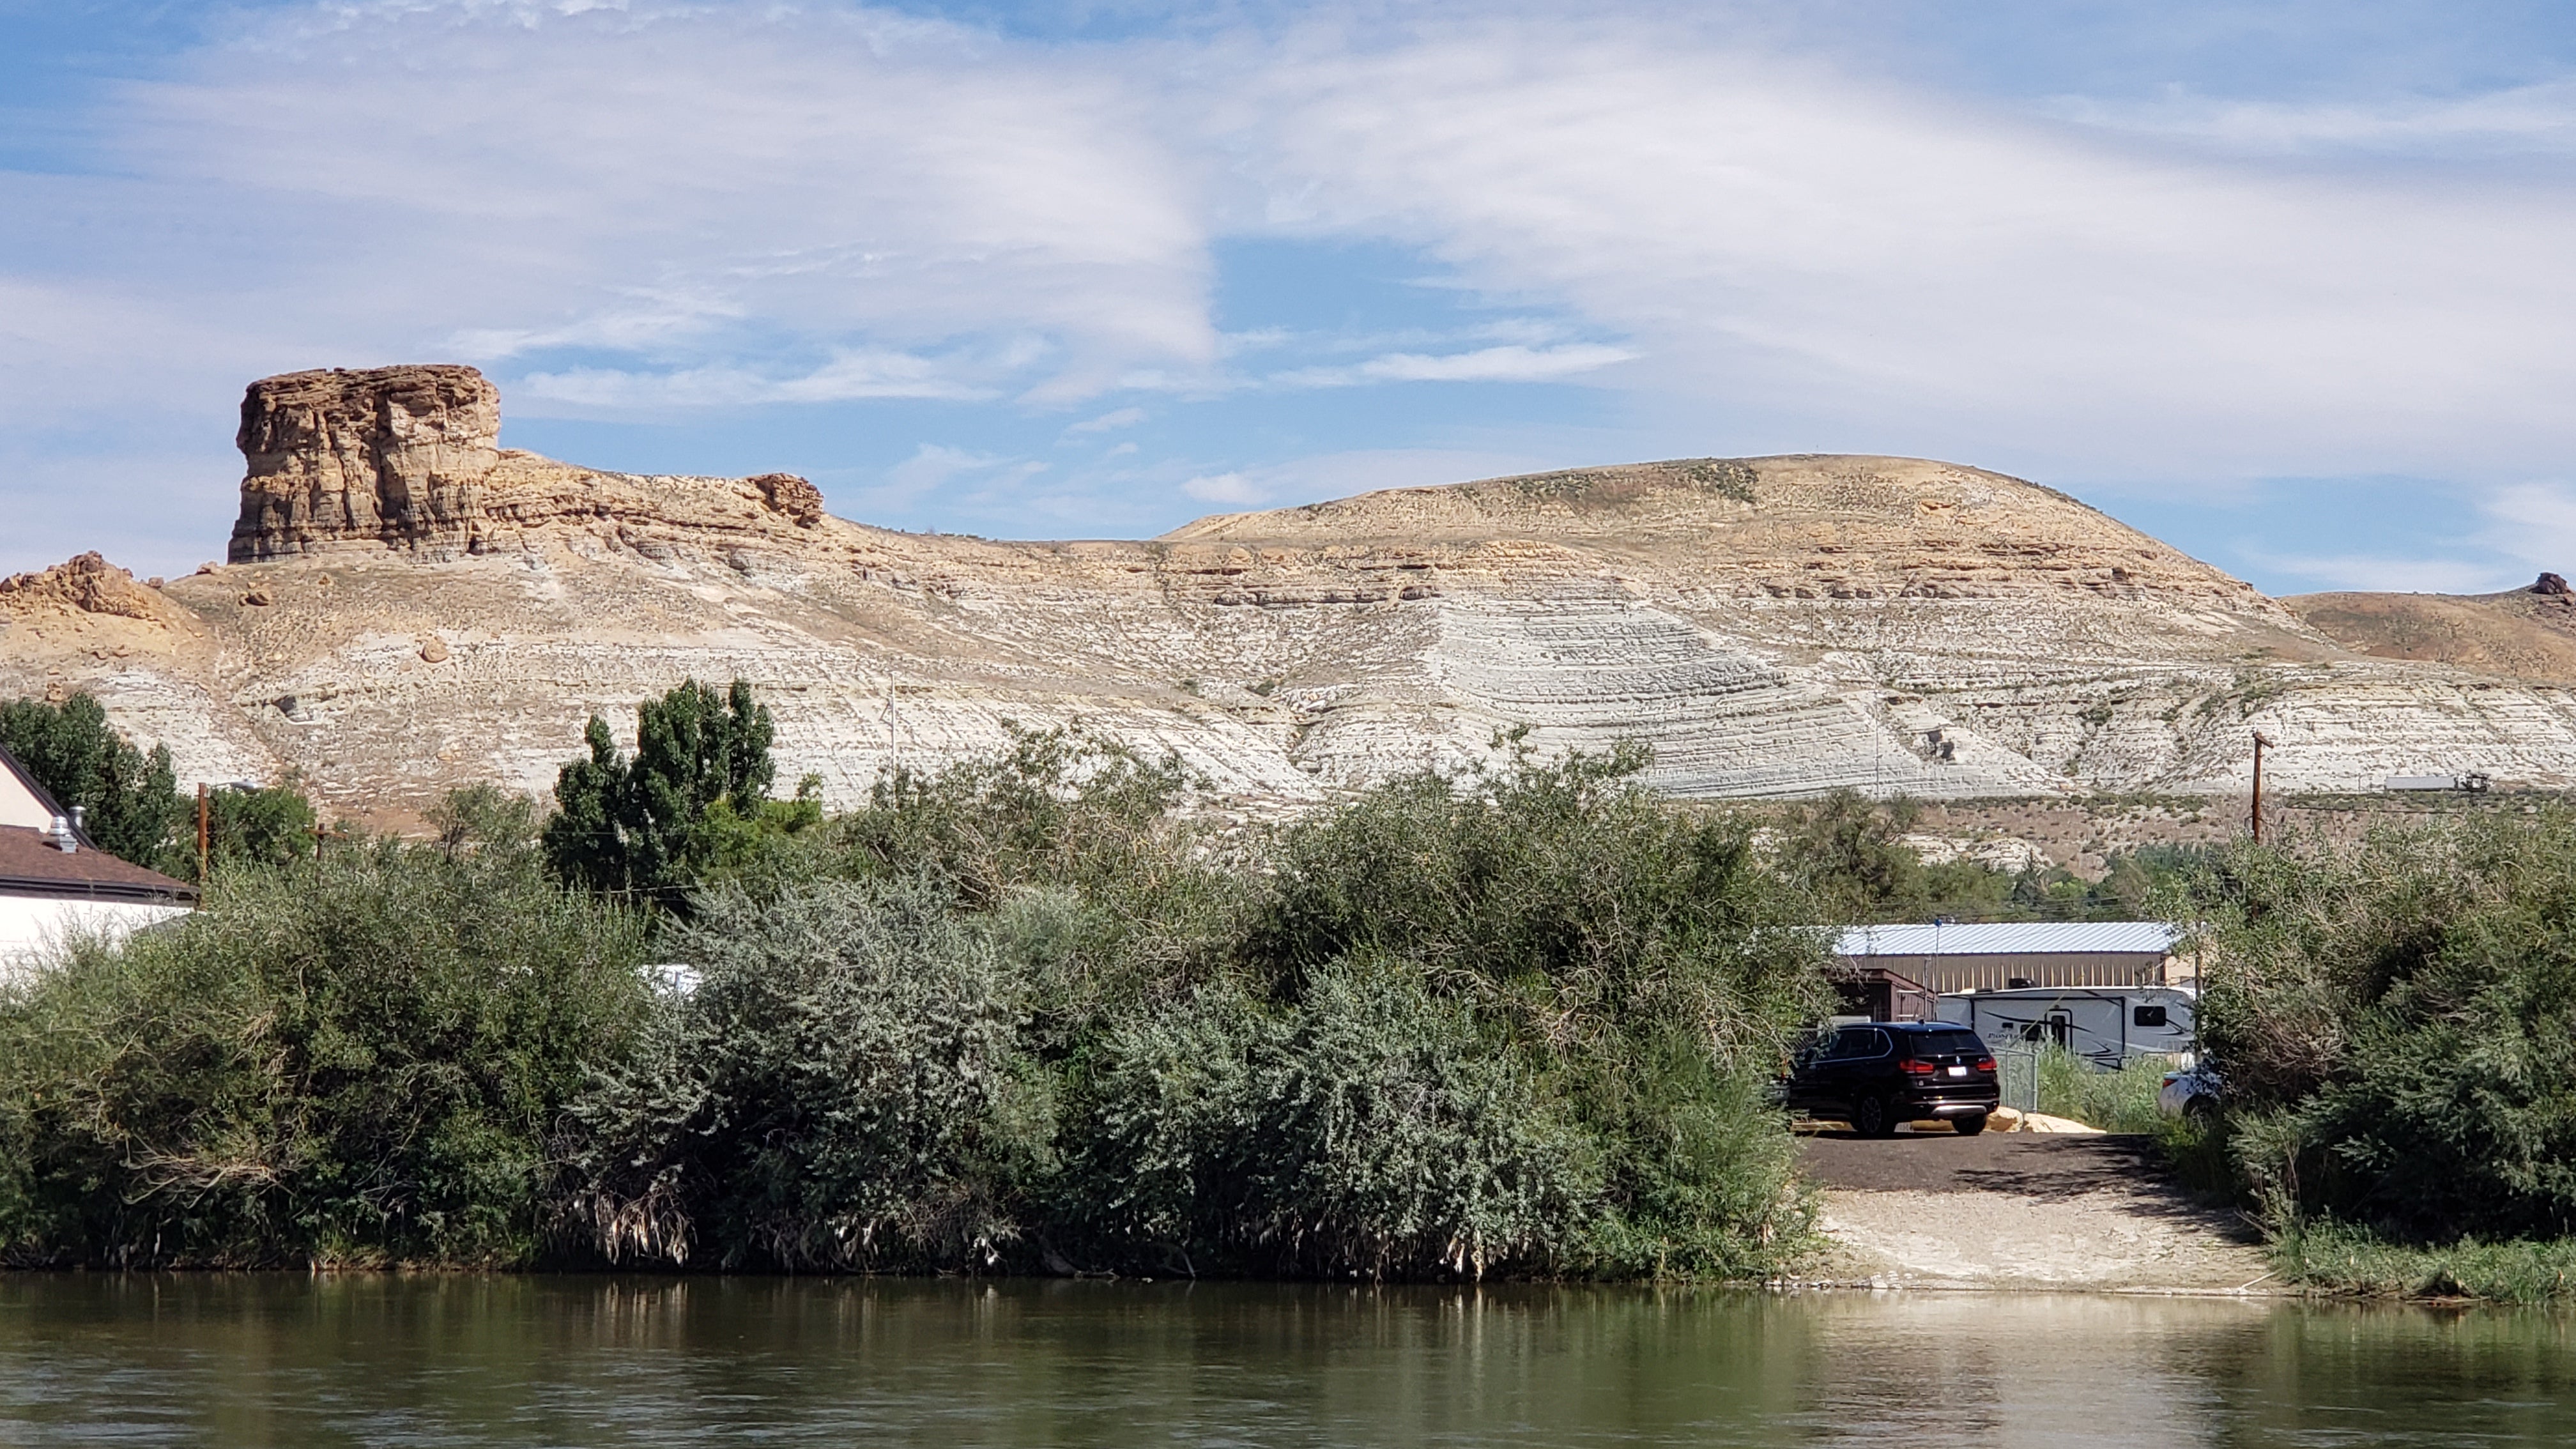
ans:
x=1490 y=364
x=1109 y=421
x=852 y=375
x=664 y=208
x=2533 y=118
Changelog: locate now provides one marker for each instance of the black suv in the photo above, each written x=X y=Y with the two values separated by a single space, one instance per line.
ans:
x=1877 y=1074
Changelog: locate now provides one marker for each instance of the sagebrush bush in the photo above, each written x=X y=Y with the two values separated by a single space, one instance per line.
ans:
x=360 y=1062
x=1370 y=1129
x=1509 y=1022
x=831 y=1094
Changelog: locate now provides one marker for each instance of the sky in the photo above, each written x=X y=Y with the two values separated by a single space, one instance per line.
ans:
x=2291 y=286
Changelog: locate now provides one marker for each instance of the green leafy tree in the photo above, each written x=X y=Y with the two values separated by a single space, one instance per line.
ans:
x=2394 y=1023
x=653 y=822
x=129 y=799
x=1850 y=852
x=268 y=826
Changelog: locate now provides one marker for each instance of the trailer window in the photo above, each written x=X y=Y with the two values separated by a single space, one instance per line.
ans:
x=2147 y=1016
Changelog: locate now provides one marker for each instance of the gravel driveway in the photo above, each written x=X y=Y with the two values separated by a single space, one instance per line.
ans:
x=2022 y=1211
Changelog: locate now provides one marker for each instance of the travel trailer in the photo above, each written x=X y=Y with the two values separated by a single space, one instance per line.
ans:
x=2106 y=1025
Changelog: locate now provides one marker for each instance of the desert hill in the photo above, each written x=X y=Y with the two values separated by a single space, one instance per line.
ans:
x=2527 y=634
x=410 y=606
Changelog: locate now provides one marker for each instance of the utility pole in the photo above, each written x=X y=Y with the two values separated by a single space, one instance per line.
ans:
x=203 y=834
x=2261 y=742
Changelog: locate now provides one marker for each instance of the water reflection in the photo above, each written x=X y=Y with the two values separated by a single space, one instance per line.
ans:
x=255 y=1360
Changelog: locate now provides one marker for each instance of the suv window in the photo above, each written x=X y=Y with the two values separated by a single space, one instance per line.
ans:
x=1858 y=1042
x=1948 y=1044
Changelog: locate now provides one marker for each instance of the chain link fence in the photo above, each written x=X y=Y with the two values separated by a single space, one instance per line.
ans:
x=2017 y=1074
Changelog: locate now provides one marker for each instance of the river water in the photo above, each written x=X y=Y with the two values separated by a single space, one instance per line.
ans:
x=256 y=1359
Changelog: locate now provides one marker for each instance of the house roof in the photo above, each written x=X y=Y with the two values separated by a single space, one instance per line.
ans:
x=31 y=866
x=2010 y=938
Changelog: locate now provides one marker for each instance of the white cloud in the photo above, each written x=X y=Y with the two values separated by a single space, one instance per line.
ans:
x=1223 y=488
x=1109 y=421
x=1491 y=364
x=1840 y=263
x=2380 y=574
x=668 y=206
x=855 y=374
x=2535 y=118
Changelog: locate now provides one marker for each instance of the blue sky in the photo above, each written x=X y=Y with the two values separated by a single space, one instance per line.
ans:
x=2289 y=285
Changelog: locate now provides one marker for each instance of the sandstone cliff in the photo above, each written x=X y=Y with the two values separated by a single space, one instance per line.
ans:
x=412 y=606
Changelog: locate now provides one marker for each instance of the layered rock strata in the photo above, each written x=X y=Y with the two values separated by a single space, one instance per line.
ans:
x=414 y=607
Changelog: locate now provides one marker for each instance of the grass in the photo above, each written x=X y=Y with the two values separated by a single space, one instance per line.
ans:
x=2337 y=1257
x=2121 y=1101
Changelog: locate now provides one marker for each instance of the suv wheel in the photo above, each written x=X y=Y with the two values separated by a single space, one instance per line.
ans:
x=1971 y=1125
x=1871 y=1118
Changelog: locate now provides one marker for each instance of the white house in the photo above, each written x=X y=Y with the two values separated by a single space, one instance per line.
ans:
x=55 y=885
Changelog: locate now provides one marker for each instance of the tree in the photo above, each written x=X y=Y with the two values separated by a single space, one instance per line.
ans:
x=268 y=826
x=650 y=823
x=1850 y=851
x=129 y=800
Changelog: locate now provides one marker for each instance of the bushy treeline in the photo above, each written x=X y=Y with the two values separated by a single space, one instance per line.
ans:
x=1024 y=1014
x=2397 y=1025
x=361 y=1064
x=129 y=797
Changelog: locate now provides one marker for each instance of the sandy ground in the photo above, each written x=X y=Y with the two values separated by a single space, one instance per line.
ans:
x=2016 y=1211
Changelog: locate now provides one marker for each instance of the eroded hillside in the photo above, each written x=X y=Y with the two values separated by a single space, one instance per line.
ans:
x=411 y=606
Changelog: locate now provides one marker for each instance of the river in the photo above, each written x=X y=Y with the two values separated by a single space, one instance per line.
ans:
x=262 y=1359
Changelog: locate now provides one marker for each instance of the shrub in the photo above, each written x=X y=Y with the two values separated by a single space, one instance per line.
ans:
x=830 y=1094
x=2121 y=1101
x=2397 y=1029
x=1373 y=1131
x=357 y=1066
x=1638 y=957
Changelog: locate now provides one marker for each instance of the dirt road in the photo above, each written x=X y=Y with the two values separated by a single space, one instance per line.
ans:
x=2017 y=1211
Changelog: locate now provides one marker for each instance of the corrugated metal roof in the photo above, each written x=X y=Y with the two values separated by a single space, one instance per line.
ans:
x=2023 y=938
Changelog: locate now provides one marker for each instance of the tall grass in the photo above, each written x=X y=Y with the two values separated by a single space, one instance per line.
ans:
x=2336 y=1257
x=2120 y=1101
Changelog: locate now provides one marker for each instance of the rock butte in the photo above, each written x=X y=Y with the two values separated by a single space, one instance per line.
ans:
x=410 y=606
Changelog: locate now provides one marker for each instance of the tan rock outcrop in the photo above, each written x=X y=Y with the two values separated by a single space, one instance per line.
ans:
x=408 y=460
x=387 y=457
x=88 y=584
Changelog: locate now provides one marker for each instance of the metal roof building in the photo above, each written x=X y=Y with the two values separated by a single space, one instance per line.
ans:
x=2009 y=955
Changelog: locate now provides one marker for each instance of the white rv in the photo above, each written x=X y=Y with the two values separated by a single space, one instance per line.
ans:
x=2106 y=1025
